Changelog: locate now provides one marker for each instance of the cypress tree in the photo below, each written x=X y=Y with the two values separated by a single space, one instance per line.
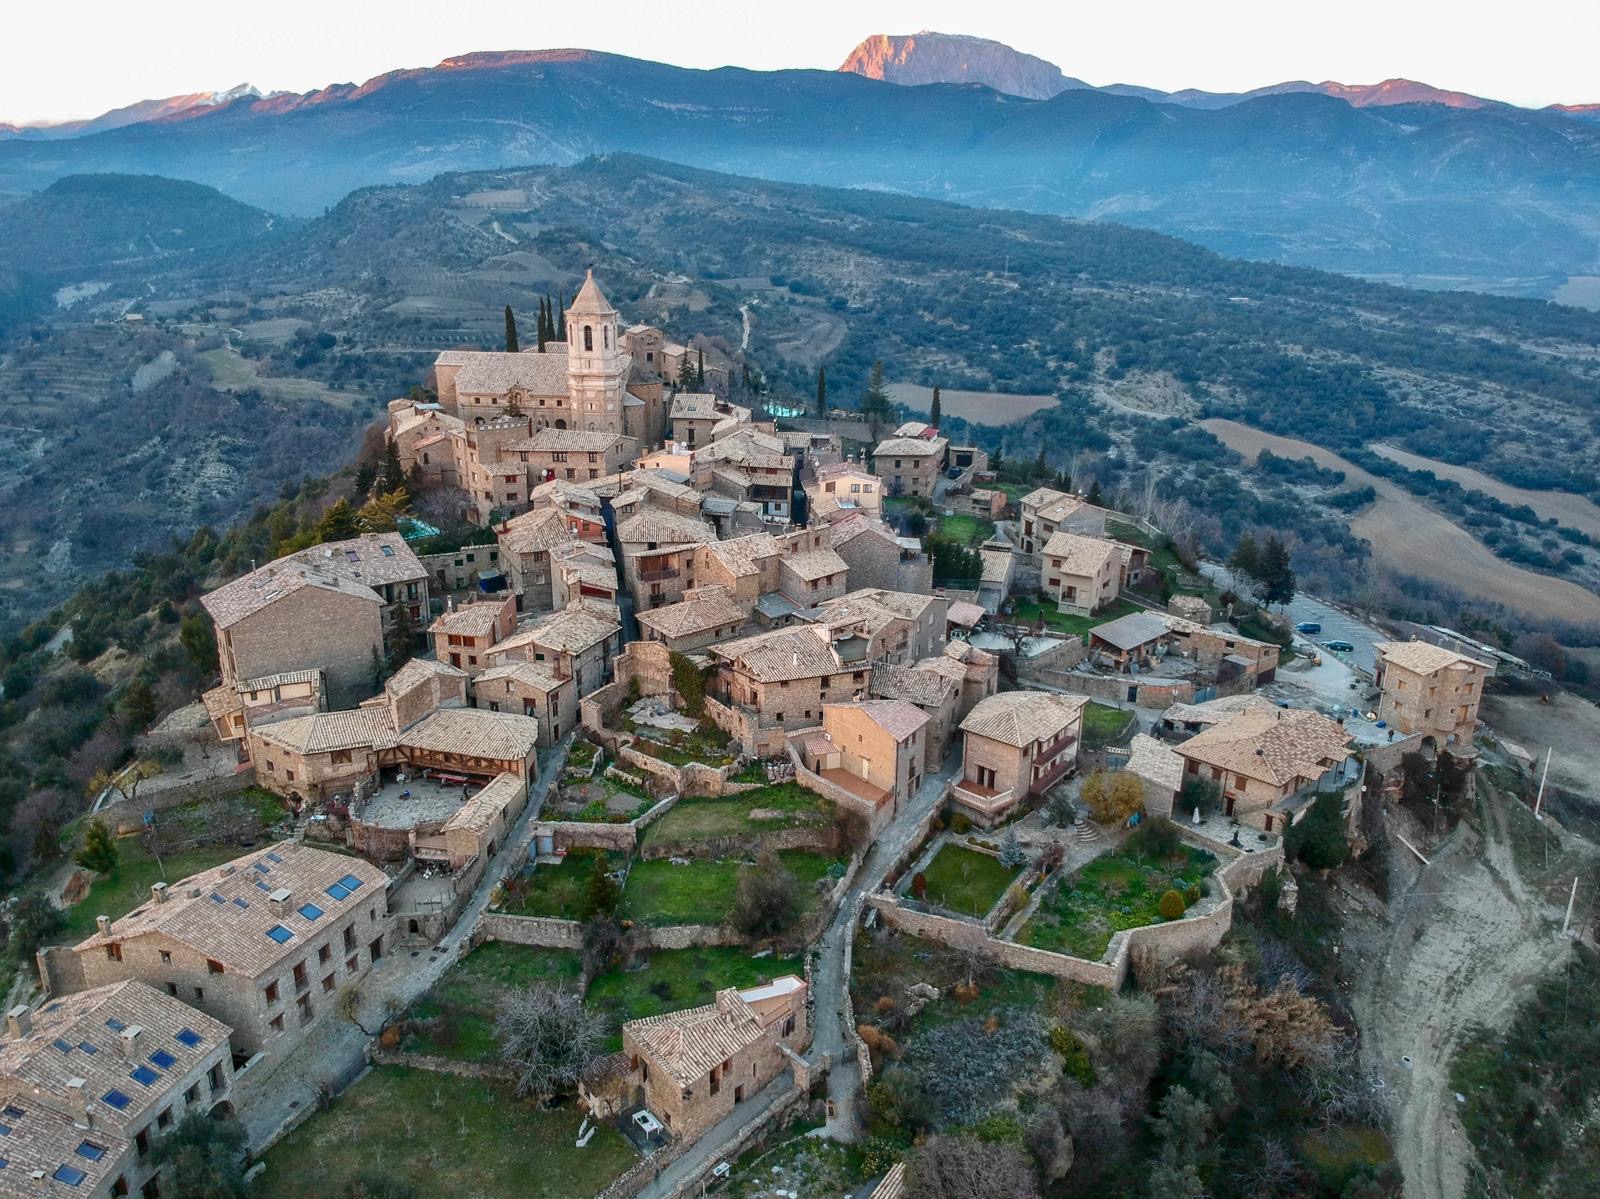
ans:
x=1094 y=496
x=822 y=391
x=561 y=326
x=511 y=331
x=700 y=368
x=933 y=411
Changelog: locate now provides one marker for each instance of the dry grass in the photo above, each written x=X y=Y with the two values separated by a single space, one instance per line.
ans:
x=1410 y=538
x=979 y=407
x=1576 y=511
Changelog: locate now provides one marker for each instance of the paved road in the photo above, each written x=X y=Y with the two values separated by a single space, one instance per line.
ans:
x=719 y=1134
x=1337 y=624
x=335 y=1049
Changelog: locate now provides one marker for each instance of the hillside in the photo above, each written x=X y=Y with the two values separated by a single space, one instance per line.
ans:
x=1497 y=198
x=929 y=57
x=1144 y=335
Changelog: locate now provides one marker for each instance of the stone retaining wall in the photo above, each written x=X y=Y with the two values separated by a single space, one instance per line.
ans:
x=494 y=1071
x=546 y=932
x=126 y=817
x=746 y=1136
x=816 y=838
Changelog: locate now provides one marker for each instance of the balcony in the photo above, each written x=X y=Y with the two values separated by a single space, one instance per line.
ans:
x=1063 y=742
x=658 y=574
x=980 y=798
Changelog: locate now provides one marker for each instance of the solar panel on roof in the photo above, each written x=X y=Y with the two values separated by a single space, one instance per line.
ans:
x=279 y=934
x=70 y=1175
x=163 y=1059
x=91 y=1151
x=116 y=1099
x=338 y=892
x=86 y=1047
x=144 y=1076
x=350 y=882
x=310 y=911
x=188 y=1036
x=241 y=903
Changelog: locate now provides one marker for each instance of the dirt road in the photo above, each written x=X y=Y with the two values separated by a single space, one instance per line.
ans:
x=1461 y=943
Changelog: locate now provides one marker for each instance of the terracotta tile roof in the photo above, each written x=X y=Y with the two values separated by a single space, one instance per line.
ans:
x=815 y=564
x=537 y=675
x=494 y=374
x=249 y=594
x=474 y=733
x=1214 y=710
x=894 y=716
x=199 y=911
x=909 y=447
x=1422 y=657
x=468 y=620
x=45 y=1143
x=1133 y=630
x=1052 y=504
x=855 y=526
x=664 y=529
x=371 y=559
x=909 y=604
x=844 y=470
x=481 y=811
x=1079 y=555
x=221 y=702
x=565 y=492
x=856 y=612
x=915 y=428
x=1278 y=745
x=282 y=679
x=590 y=301
x=1019 y=718
x=710 y=608
x=580 y=626
x=535 y=531
x=1154 y=760
x=416 y=671
x=694 y=405
x=742 y=556
x=965 y=614
x=685 y=1045
x=326 y=732
x=996 y=565
x=573 y=440
x=928 y=686
x=800 y=652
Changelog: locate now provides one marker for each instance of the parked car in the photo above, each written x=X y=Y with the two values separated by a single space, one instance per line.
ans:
x=1340 y=647
x=1309 y=627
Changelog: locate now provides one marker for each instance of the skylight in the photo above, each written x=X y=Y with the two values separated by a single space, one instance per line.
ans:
x=261 y=866
x=310 y=911
x=115 y=1025
x=13 y=1112
x=70 y=1175
x=215 y=898
x=163 y=1059
x=115 y=1098
x=240 y=903
x=279 y=934
x=61 y=1045
x=86 y=1047
x=5 y=1130
x=350 y=883
x=273 y=856
x=188 y=1036
x=91 y=1151
x=144 y=1076
x=338 y=892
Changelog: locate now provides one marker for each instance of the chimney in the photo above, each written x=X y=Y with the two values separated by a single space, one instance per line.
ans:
x=78 y=1099
x=228 y=869
x=130 y=1039
x=158 y=892
x=279 y=900
x=19 y=1021
x=103 y=923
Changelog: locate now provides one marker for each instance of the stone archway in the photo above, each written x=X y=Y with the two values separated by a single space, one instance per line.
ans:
x=222 y=1110
x=561 y=424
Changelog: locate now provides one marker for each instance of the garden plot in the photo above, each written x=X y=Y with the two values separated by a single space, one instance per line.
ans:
x=599 y=800
x=693 y=824
x=964 y=881
x=455 y=1019
x=700 y=891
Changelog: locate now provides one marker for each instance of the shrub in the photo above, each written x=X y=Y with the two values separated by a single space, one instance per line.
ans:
x=919 y=885
x=1075 y=1063
x=767 y=899
x=961 y=824
x=1171 y=905
x=1191 y=895
x=1155 y=838
x=885 y=1004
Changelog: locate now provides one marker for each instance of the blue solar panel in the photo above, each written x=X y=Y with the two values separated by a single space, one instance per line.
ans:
x=311 y=911
x=338 y=892
x=3 y=1163
x=261 y=886
x=241 y=903
x=91 y=1151
x=188 y=1036
x=274 y=857
x=116 y=1099
x=115 y=1025
x=350 y=882
x=144 y=1076
x=279 y=934
x=70 y=1175
x=163 y=1059
x=61 y=1045
x=86 y=1047
x=261 y=866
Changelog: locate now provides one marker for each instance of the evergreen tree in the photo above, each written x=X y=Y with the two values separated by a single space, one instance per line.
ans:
x=603 y=894
x=1246 y=557
x=543 y=316
x=685 y=374
x=822 y=391
x=366 y=476
x=700 y=368
x=138 y=704
x=561 y=318
x=99 y=852
x=1277 y=581
x=934 y=412
x=1094 y=495
x=875 y=404
x=1041 y=466
x=511 y=331
x=337 y=523
x=390 y=475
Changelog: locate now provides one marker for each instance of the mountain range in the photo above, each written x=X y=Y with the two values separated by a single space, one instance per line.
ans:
x=1495 y=197
x=929 y=57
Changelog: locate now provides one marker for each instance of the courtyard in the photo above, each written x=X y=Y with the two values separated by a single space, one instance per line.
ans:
x=965 y=881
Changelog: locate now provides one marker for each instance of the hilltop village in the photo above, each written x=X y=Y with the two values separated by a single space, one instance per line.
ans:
x=682 y=754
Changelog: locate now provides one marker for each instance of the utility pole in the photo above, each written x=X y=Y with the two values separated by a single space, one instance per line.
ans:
x=1538 y=801
x=1571 y=899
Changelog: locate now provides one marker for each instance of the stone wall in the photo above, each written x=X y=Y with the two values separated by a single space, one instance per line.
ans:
x=1385 y=758
x=747 y=1135
x=495 y=1071
x=126 y=817
x=823 y=838
x=1096 y=686
x=544 y=932
x=1067 y=653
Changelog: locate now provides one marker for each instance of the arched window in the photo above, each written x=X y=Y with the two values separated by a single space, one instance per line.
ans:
x=588 y=338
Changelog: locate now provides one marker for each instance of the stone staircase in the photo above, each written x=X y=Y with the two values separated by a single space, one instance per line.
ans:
x=1083 y=832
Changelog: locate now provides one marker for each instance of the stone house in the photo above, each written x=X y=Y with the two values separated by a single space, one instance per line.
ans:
x=1227 y=651
x=463 y=635
x=262 y=944
x=577 y=642
x=475 y=830
x=472 y=567
x=1046 y=512
x=774 y=683
x=527 y=543
x=748 y=464
x=872 y=753
x=1160 y=774
x=1430 y=691
x=879 y=558
x=691 y=1068
x=233 y=711
x=930 y=689
x=582 y=570
x=1082 y=574
x=92 y=1083
x=579 y=504
x=910 y=465
x=699 y=418
x=1016 y=744
x=746 y=567
x=976 y=671
x=534 y=689
x=658 y=554
x=843 y=489
x=998 y=572
x=924 y=616
x=1269 y=762
x=1134 y=642
x=703 y=617
x=571 y=454
x=1190 y=607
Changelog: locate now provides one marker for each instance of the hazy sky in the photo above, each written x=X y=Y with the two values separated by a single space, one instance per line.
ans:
x=75 y=58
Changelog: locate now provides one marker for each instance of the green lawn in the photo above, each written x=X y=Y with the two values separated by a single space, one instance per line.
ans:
x=965 y=880
x=461 y=1005
x=679 y=978
x=557 y=890
x=659 y=892
x=128 y=885
x=693 y=821
x=1103 y=724
x=1117 y=890
x=966 y=528
x=446 y=1136
x=1031 y=611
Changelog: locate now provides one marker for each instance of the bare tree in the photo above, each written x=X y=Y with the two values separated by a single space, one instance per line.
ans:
x=548 y=1035
x=961 y=1167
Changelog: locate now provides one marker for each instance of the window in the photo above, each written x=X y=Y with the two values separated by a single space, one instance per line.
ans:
x=192 y=1095
x=310 y=911
x=280 y=934
x=116 y=1099
x=144 y=1076
x=114 y=952
x=299 y=976
x=340 y=757
x=272 y=991
x=166 y=957
x=327 y=984
x=213 y=966
x=172 y=989
x=164 y=1120
x=588 y=338
x=199 y=994
x=324 y=953
x=163 y=1060
x=91 y=1151
x=143 y=1140
x=70 y=1175
x=352 y=964
x=276 y=1023
x=349 y=937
